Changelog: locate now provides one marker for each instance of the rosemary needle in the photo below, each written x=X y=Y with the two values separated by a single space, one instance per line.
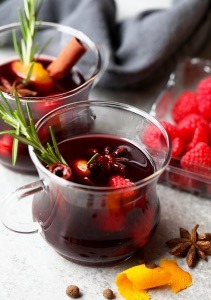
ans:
x=26 y=48
x=24 y=131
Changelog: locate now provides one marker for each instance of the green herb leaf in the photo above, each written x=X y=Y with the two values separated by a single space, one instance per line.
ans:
x=26 y=48
x=15 y=148
x=25 y=132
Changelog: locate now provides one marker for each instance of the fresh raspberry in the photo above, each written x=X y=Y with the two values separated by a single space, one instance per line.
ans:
x=201 y=134
x=174 y=135
x=198 y=160
x=209 y=129
x=141 y=202
x=171 y=129
x=109 y=221
x=121 y=199
x=6 y=140
x=143 y=225
x=119 y=181
x=185 y=104
x=188 y=125
x=177 y=147
x=203 y=96
x=151 y=137
x=184 y=182
x=6 y=143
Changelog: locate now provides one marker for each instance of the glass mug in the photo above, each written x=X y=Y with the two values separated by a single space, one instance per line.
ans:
x=75 y=218
x=87 y=71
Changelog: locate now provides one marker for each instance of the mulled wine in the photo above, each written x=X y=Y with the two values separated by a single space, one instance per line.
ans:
x=9 y=78
x=103 y=207
x=71 y=81
x=111 y=222
x=53 y=82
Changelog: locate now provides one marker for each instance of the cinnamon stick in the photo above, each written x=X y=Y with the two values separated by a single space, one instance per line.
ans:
x=66 y=59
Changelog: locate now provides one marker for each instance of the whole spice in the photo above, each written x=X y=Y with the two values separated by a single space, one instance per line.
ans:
x=191 y=245
x=108 y=294
x=73 y=291
x=109 y=161
x=66 y=59
x=61 y=170
x=22 y=88
x=150 y=265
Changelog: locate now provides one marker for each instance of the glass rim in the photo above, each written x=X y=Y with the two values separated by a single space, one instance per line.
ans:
x=101 y=103
x=67 y=30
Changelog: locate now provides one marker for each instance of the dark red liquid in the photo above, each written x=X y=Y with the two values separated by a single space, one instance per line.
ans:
x=138 y=166
x=73 y=80
x=70 y=82
x=84 y=226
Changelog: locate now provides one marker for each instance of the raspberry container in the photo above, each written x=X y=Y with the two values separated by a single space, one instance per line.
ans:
x=186 y=76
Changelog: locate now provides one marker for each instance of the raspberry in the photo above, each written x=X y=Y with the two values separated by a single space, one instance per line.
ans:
x=121 y=199
x=171 y=129
x=177 y=142
x=185 y=104
x=119 y=181
x=188 y=125
x=177 y=147
x=109 y=221
x=209 y=125
x=203 y=96
x=6 y=144
x=184 y=182
x=152 y=137
x=143 y=225
x=201 y=134
x=198 y=159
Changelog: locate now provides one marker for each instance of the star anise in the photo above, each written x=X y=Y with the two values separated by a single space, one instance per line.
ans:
x=109 y=162
x=192 y=245
x=22 y=88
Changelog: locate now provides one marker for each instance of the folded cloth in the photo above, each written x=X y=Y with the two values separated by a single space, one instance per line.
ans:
x=141 y=47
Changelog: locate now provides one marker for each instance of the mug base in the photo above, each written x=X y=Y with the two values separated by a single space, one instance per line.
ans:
x=102 y=263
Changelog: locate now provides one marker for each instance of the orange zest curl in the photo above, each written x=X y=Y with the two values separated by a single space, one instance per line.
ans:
x=134 y=282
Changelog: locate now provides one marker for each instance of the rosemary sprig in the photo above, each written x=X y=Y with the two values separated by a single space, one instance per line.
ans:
x=24 y=131
x=27 y=48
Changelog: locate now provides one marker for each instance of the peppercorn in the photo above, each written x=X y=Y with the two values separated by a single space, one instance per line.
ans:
x=73 y=291
x=108 y=294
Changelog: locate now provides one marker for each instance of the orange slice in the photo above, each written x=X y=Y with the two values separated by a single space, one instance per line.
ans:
x=39 y=76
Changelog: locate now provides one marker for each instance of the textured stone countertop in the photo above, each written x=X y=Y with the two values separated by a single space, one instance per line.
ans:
x=31 y=270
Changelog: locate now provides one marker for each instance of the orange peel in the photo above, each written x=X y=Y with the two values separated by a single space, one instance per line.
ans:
x=180 y=279
x=134 y=282
x=128 y=291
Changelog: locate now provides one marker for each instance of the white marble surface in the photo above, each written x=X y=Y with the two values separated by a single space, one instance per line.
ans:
x=30 y=269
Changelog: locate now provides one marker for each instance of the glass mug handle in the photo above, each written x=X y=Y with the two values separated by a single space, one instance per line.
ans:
x=14 y=206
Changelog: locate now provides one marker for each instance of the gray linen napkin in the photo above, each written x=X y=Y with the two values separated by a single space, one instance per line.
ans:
x=141 y=47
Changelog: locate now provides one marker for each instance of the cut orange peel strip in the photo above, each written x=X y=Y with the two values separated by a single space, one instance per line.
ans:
x=134 y=282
